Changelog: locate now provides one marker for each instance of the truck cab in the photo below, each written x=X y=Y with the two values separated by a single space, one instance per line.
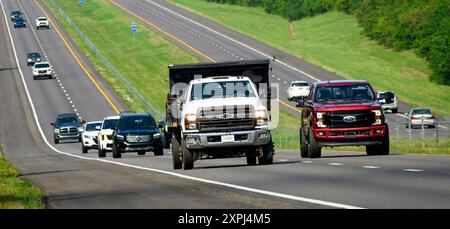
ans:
x=219 y=113
x=342 y=113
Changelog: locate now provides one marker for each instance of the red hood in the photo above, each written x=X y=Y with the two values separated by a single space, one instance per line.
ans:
x=347 y=106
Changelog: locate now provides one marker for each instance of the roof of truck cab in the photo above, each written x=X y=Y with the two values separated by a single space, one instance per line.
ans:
x=221 y=79
x=341 y=82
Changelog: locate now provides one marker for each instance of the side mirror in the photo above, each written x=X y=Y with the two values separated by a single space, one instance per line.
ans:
x=53 y=124
x=406 y=114
x=97 y=128
x=161 y=124
x=83 y=122
x=300 y=103
x=389 y=97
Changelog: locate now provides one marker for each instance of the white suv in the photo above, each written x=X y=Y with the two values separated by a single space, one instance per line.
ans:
x=105 y=140
x=42 y=69
x=89 y=137
x=297 y=89
x=42 y=22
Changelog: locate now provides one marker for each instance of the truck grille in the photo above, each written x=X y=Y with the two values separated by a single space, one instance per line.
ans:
x=226 y=112
x=226 y=124
x=69 y=130
x=43 y=71
x=139 y=138
x=363 y=118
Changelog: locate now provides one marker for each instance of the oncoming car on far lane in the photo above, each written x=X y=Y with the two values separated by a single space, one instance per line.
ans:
x=297 y=90
x=89 y=137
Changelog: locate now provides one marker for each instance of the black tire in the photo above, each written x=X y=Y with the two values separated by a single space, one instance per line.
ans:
x=267 y=154
x=84 y=149
x=140 y=153
x=116 y=152
x=251 y=157
x=303 y=144
x=34 y=77
x=188 y=158
x=158 y=152
x=176 y=154
x=56 y=140
x=314 y=151
x=166 y=142
x=394 y=111
x=382 y=149
x=101 y=152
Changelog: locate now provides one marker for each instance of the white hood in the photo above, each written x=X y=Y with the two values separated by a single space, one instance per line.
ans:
x=193 y=106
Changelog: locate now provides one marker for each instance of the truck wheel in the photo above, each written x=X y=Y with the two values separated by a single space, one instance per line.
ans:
x=56 y=140
x=382 y=149
x=34 y=77
x=303 y=145
x=314 y=151
x=394 y=111
x=251 y=157
x=268 y=152
x=101 y=152
x=84 y=149
x=140 y=153
x=166 y=141
x=188 y=159
x=176 y=154
x=159 y=152
x=116 y=152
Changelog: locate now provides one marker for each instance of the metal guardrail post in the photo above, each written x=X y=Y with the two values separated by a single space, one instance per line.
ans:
x=423 y=133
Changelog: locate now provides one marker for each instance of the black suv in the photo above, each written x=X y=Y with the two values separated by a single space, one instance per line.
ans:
x=136 y=133
x=33 y=57
x=15 y=15
x=67 y=127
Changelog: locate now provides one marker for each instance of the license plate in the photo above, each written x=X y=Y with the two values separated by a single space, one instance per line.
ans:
x=350 y=135
x=228 y=138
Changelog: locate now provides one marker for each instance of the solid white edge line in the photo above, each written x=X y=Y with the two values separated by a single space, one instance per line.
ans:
x=238 y=187
x=233 y=40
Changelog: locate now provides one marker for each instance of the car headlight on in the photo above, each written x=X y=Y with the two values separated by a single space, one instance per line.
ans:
x=320 y=118
x=261 y=117
x=120 y=137
x=190 y=121
x=80 y=129
x=157 y=135
x=56 y=131
x=29 y=60
x=378 y=117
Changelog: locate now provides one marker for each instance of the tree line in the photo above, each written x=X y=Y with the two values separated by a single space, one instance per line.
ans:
x=422 y=25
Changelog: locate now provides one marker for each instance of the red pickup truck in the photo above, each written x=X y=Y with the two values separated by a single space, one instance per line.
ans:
x=342 y=113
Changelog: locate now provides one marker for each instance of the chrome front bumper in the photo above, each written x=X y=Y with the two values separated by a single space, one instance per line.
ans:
x=214 y=139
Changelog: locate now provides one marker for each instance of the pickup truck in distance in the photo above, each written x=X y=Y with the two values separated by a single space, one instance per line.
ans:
x=219 y=110
x=342 y=113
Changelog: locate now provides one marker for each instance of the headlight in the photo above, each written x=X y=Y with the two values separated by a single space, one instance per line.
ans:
x=29 y=60
x=157 y=135
x=378 y=117
x=56 y=131
x=120 y=137
x=260 y=114
x=80 y=129
x=190 y=122
x=320 y=119
x=87 y=136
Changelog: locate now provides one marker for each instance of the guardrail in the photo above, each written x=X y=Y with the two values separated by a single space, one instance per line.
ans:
x=123 y=79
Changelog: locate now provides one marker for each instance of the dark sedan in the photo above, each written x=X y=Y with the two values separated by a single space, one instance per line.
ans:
x=15 y=15
x=19 y=22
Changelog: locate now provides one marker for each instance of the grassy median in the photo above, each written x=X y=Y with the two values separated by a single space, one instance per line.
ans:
x=14 y=192
x=334 y=42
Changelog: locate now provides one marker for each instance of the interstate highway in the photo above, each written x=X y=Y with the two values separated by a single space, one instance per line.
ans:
x=70 y=179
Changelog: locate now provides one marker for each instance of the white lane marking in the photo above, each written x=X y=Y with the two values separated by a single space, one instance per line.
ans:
x=413 y=170
x=370 y=167
x=307 y=162
x=336 y=164
x=233 y=40
x=228 y=185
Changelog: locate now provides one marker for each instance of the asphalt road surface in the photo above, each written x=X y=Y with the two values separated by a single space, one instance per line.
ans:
x=71 y=179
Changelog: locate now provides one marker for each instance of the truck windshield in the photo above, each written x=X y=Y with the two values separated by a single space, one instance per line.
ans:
x=67 y=120
x=42 y=66
x=227 y=89
x=330 y=94
x=137 y=123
